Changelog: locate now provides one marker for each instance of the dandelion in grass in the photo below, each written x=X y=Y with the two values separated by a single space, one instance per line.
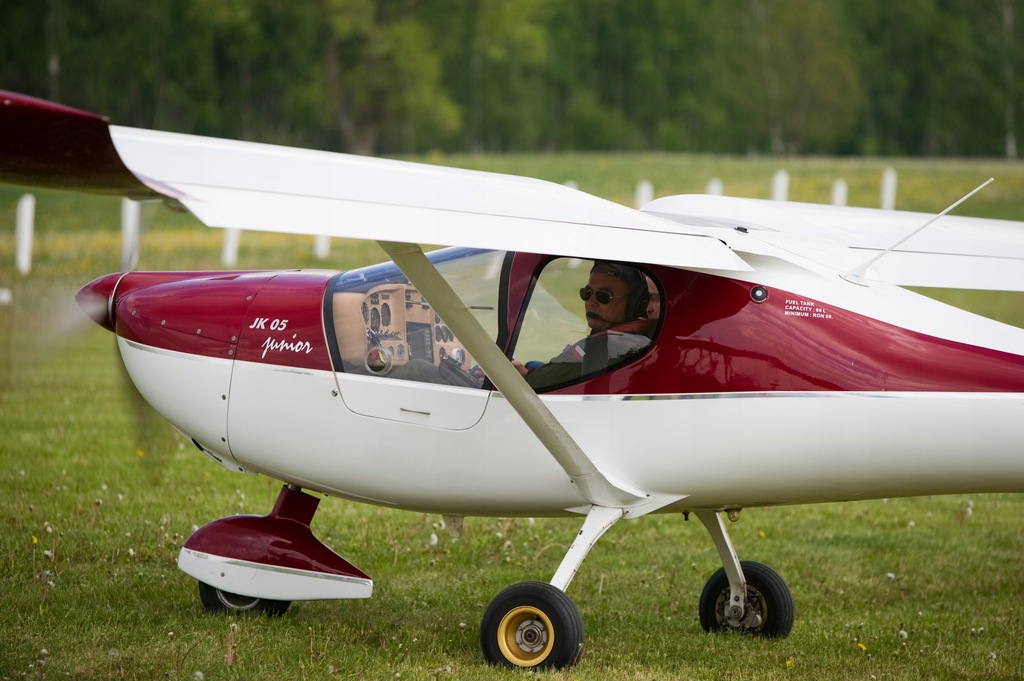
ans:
x=862 y=646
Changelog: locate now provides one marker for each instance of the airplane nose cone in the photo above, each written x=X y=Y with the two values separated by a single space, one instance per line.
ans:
x=96 y=299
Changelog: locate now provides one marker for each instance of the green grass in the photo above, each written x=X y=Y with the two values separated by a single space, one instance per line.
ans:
x=98 y=494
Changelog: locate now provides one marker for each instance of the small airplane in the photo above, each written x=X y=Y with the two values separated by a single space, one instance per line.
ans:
x=562 y=356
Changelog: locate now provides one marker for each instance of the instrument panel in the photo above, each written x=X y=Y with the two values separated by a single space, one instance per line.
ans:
x=398 y=326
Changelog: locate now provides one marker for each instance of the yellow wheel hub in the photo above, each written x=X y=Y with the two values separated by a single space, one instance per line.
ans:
x=526 y=636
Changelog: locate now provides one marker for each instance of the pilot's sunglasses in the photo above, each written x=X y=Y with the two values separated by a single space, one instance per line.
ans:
x=603 y=297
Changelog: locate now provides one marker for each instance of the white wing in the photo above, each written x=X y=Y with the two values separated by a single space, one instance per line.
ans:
x=955 y=252
x=282 y=189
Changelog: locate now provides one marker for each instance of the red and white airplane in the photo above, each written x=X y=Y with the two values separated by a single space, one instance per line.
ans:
x=727 y=354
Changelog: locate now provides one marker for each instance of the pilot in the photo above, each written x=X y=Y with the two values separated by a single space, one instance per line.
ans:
x=653 y=300
x=616 y=305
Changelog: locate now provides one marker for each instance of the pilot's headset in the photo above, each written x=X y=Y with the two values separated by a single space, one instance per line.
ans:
x=636 y=303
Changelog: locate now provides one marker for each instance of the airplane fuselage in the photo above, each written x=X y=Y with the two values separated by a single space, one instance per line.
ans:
x=749 y=394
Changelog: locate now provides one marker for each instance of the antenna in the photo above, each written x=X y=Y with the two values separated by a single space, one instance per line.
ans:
x=858 y=274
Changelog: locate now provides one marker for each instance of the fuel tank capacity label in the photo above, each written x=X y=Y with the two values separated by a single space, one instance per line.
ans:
x=795 y=307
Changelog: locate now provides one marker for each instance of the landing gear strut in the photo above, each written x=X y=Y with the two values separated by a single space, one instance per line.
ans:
x=533 y=624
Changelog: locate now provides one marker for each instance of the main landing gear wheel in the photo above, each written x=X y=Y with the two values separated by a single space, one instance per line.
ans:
x=216 y=600
x=769 y=611
x=532 y=624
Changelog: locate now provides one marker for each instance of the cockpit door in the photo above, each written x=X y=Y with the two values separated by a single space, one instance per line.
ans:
x=424 y=404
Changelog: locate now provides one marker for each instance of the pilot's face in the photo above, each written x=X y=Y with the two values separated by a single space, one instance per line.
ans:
x=653 y=300
x=602 y=316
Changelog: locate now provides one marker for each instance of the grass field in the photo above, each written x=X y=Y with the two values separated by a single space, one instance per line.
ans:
x=98 y=494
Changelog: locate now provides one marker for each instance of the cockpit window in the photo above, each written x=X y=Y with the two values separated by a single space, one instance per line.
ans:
x=385 y=327
x=585 y=317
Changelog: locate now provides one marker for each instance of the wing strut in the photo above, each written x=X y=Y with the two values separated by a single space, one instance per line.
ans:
x=591 y=483
x=858 y=274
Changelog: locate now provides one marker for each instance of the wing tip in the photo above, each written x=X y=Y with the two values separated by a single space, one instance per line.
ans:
x=53 y=146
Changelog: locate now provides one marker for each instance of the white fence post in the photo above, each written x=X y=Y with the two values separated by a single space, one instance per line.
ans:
x=130 y=212
x=839 y=192
x=229 y=253
x=780 y=186
x=322 y=247
x=23 y=231
x=644 y=193
x=889 y=189
x=714 y=187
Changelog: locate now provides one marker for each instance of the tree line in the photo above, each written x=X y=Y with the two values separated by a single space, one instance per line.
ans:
x=837 y=77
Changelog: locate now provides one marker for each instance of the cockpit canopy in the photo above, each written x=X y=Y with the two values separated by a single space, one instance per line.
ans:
x=384 y=327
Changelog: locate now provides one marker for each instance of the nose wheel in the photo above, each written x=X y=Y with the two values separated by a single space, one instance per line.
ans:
x=218 y=600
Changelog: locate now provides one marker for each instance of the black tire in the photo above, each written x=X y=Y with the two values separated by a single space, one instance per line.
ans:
x=532 y=624
x=216 y=600
x=769 y=612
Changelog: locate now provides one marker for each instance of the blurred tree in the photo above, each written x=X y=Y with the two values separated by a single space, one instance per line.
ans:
x=496 y=66
x=917 y=77
x=262 y=53
x=997 y=35
x=591 y=67
x=381 y=75
x=123 y=59
x=811 y=91
x=929 y=92
x=25 y=55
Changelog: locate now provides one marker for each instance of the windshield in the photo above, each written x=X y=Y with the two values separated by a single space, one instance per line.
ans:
x=385 y=327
